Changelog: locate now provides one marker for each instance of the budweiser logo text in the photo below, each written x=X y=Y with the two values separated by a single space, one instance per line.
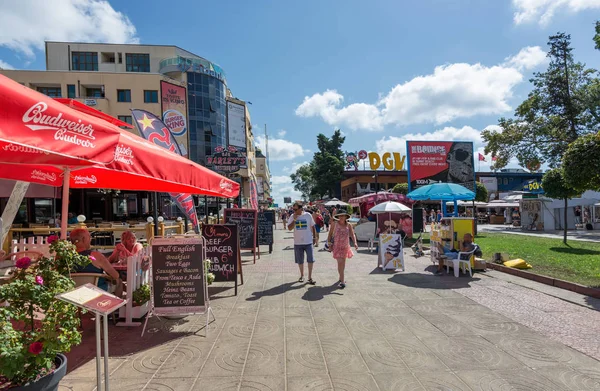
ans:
x=124 y=155
x=74 y=132
x=43 y=176
x=20 y=148
x=82 y=180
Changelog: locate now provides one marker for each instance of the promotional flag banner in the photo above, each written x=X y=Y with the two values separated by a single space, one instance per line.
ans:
x=440 y=162
x=482 y=158
x=155 y=131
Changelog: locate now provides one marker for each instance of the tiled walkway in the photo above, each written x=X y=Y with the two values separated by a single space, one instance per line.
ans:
x=394 y=331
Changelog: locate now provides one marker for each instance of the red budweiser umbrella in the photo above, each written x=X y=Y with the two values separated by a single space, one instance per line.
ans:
x=62 y=147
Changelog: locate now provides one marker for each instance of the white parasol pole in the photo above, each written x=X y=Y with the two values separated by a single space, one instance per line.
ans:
x=65 y=203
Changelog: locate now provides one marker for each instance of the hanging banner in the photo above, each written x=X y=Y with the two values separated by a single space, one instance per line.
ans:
x=236 y=125
x=173 y=104
x=440 y=162
x=155 y=131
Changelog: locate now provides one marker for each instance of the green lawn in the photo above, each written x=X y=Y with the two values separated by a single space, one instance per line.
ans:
x=576 y=262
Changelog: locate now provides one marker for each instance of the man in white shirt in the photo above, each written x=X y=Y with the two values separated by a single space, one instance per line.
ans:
x=305 y=236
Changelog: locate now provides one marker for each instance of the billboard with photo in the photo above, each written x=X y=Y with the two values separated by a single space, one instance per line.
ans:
x=236 y=125
x=490 y=183
x=440 y=161
x=173 y=104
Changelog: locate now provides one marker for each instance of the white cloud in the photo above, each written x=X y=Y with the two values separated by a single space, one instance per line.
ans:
x=294 y=167
x=279 y=192
x=528 y=58
x=281 y=180
x=5 y=65
x=280 y=149
x=26 y=24
x=452 y=91
x=281 y=133
x=543 y=11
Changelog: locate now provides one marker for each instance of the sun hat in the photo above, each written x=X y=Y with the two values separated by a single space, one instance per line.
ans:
x=341 y=212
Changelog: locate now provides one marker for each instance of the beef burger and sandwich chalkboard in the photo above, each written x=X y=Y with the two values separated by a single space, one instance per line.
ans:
x=179 y=285
x=223 y=251
x=265 y=229
x=246 y=221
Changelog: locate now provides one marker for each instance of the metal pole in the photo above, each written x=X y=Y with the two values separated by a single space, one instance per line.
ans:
x=106 y=373
x=206 y=209
x=98 y=348
x=65 y=203
x=155 y=214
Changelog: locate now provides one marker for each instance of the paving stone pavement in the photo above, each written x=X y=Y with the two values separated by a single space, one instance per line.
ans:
x=386 y=331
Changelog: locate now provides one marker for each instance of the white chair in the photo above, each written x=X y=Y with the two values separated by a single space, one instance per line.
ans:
x=138 y=274
x=463 y=259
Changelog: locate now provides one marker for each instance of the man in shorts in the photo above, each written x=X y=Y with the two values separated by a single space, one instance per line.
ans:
x=305 y=236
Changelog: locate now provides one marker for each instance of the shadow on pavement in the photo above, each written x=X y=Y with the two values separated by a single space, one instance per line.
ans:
x=316 y=293
x=430 y=281
x=277 y=290
x=593 y=302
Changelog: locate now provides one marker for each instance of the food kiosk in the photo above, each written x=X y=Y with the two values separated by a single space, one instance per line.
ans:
x=449 y=234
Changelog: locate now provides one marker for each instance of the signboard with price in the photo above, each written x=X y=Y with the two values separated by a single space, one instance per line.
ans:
x=246 y=221
x=223 y=251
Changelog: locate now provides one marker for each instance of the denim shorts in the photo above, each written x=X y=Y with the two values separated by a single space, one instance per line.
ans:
x=299 y=250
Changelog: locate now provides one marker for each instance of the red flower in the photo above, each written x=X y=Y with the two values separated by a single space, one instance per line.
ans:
x=36 y=348
x=23 y=263
x=51 y=239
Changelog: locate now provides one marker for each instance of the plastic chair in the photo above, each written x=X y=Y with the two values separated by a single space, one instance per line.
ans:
x=463 y=259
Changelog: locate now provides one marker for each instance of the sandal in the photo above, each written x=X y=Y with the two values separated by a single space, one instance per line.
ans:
x=301 y=279
x=311 y=281
x=341 y=285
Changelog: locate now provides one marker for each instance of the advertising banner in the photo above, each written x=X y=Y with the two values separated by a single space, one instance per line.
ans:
x=490 y=183
x=394 y=223
x=155 y=131
x=440 y=161
x=226 y=160
x=173 y=105
x=390 y=253
x=236 y=125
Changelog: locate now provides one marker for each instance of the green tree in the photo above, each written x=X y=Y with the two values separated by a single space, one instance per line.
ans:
x=400 y=188
x=560 y=109
x=581 y=163
x=303 y=181
x=597 y=36
x=481 y=193
x=555 y=186
x=328 y=164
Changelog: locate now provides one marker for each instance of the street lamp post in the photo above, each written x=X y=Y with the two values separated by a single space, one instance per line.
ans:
x=376 y=182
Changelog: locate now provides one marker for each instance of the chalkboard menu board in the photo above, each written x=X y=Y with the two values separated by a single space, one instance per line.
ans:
x=178 y=276
x=265 y=228
x=245 y=219
x=222 y=249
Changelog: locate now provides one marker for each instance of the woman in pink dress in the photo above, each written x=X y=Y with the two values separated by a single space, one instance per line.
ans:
x=341 y=232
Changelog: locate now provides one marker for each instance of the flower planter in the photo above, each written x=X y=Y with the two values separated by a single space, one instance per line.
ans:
x=51 y=380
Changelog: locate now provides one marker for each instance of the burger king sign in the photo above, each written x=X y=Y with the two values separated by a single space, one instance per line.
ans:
x=175 y=121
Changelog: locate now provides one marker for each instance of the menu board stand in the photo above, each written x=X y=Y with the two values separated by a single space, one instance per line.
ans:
x=178 y=281
x=223 y=251
x=264 y=231
x=102 y=304
x=246 y=220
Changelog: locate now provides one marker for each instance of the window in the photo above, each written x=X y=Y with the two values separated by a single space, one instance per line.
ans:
x=71 y=91
x=120 y=58
x=150 y=96
x=125 y=118
x=84 y=61
x=123 y=95
x=53 y=92
x=137 y=62
x=95 y=93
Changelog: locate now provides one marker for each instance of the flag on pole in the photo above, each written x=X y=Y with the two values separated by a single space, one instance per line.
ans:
x=482 y=158
x=494 y=158
x=154 y=130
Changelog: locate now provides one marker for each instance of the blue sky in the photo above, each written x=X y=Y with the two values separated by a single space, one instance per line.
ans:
x=382 y=72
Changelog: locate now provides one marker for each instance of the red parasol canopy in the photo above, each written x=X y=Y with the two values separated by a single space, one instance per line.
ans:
x=77 y=105
x=44 y=141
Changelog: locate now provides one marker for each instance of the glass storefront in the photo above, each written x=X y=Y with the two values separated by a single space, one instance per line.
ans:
x=207 y=110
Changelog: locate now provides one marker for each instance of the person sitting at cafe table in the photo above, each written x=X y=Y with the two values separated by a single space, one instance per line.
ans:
x=127 y=248
x=81 y=238
x=466 y=246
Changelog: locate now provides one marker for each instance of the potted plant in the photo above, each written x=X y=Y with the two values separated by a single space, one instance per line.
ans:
x=35 y=327
x=141 y=295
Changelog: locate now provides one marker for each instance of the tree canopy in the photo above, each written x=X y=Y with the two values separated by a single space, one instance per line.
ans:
x=581 y=163
x=555 y=186
x=400 y=188
x=481 y=193
x=561 y=108
x=326 y=170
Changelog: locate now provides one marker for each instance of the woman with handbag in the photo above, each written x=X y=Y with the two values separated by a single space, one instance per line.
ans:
x=341 y=232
